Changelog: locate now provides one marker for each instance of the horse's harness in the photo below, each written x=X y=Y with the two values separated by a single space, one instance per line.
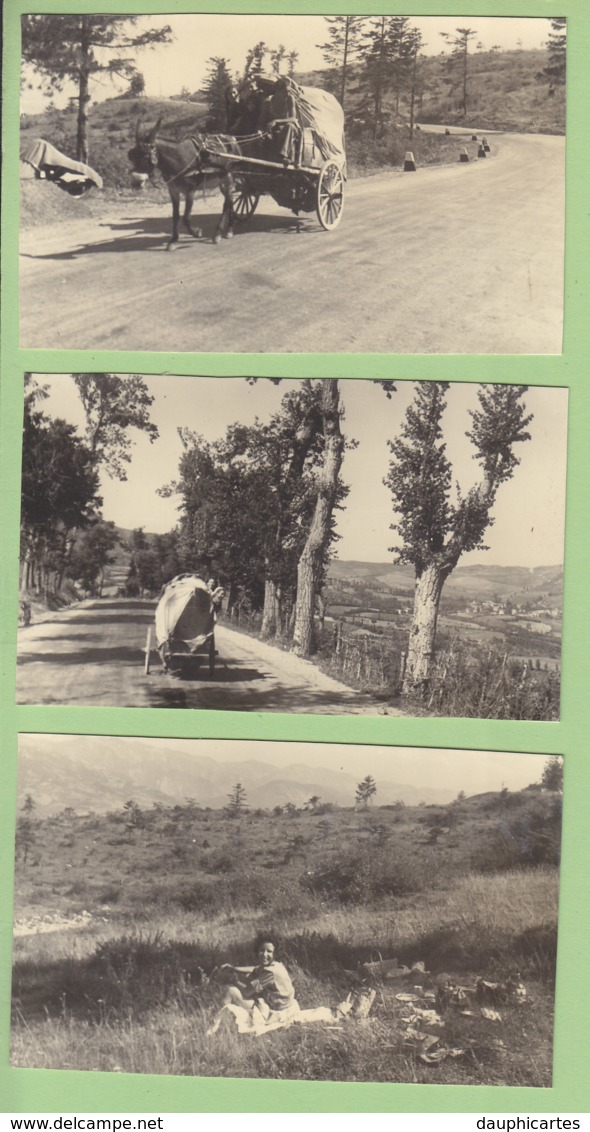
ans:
x=151 y=152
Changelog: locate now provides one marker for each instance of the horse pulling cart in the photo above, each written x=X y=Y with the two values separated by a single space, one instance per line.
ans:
x=308 y=176
x=184 y=626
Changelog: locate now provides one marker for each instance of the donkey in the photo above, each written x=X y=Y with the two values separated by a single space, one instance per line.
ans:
x=186 y=166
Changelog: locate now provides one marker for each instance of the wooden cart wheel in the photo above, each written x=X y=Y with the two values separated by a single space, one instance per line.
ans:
x=330 y=195
x=148 y=649
x=244 y=202
x=212 y=657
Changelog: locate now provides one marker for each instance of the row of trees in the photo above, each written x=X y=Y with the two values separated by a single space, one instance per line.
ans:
x=383 y=57
x=63 y=533
x=383 y=54
x=261 y=501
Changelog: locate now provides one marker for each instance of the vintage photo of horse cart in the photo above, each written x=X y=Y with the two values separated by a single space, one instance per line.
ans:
x=298 y=159
x=385 y=196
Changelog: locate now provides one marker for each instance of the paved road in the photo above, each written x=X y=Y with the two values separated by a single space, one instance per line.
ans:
x=91 y=655
x=453 y=259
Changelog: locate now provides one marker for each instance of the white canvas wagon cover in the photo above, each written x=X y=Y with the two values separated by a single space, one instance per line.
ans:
x=320 y=111
x=185 y=613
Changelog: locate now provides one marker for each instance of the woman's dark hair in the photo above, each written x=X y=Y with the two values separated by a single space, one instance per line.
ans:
x=267 y=937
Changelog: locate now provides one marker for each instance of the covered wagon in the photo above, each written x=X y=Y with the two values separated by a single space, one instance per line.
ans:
x=185 y=624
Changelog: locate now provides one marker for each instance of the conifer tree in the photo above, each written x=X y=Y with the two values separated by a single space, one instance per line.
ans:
x=555 y=70
x=341 y=48
x=76 y=48
x=458 y=60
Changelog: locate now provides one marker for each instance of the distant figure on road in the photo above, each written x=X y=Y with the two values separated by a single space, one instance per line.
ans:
x=264 y=992
x=25 y=612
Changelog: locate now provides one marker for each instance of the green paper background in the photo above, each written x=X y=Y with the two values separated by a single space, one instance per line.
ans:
x=28 y=1090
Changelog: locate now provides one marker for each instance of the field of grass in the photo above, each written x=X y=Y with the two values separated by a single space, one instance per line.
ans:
x=119 y=916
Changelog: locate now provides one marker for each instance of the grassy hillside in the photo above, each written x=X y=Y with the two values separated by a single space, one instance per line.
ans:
x=121 y=918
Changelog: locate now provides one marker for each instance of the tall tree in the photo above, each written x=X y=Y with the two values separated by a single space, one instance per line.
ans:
x=434 y=531
x=552 y=776
x=276 y=58
x=113 y=405
x=311 y=566
x=458 y=60
x=555 y=70
x=341 y=48
x=292 y=58
x=217 y=82
x=365 y=791
x=374 y=53
x=255 y=60
x=76 y=48
x=236 y=801
x=415 y=80
x=59 y=493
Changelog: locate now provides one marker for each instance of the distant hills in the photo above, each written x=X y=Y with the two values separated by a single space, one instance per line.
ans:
x=478 y=581
x=88 y=776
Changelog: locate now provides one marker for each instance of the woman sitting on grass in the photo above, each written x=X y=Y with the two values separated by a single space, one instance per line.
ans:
x=261 y=997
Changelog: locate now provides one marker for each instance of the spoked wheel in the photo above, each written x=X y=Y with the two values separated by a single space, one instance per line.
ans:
x=330 y=195
x=244 y=202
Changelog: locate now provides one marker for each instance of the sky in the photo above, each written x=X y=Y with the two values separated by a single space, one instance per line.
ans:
x=472 y=771
x=529 y=515
x=197 y=38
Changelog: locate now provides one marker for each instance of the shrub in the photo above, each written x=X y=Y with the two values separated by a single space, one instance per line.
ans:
x=532 y=837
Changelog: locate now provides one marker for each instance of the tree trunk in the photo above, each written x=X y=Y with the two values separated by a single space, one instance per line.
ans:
x=271 y=613
x=309 y=569
x=413 y=95
x=427 y=593
x=347 y=20
x=82 y=148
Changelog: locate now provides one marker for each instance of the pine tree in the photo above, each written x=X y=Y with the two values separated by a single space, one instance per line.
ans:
x=217 y=82
x=77 y=48
x=435 y=532
x=341 y=49
x=236 y=804
x=365 y=791
x=555 y=70
x=458 y=60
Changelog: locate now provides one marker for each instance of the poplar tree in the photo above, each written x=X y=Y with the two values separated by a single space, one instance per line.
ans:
x=435 y=530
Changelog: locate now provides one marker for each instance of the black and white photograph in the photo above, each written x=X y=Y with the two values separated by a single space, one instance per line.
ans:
x=327 y=546
x=285 y=910
x=393 y=184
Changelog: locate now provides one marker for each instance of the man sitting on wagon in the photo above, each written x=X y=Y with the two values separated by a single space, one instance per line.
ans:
x=279 y=117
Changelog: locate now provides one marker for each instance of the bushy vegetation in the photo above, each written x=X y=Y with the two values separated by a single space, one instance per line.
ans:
x=125 y=917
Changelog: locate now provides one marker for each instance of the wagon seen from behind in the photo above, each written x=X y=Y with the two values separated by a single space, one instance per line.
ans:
x=185 y=626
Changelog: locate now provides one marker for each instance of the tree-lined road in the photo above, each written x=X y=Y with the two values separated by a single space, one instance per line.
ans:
x=91 y=655
x=453 y=259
